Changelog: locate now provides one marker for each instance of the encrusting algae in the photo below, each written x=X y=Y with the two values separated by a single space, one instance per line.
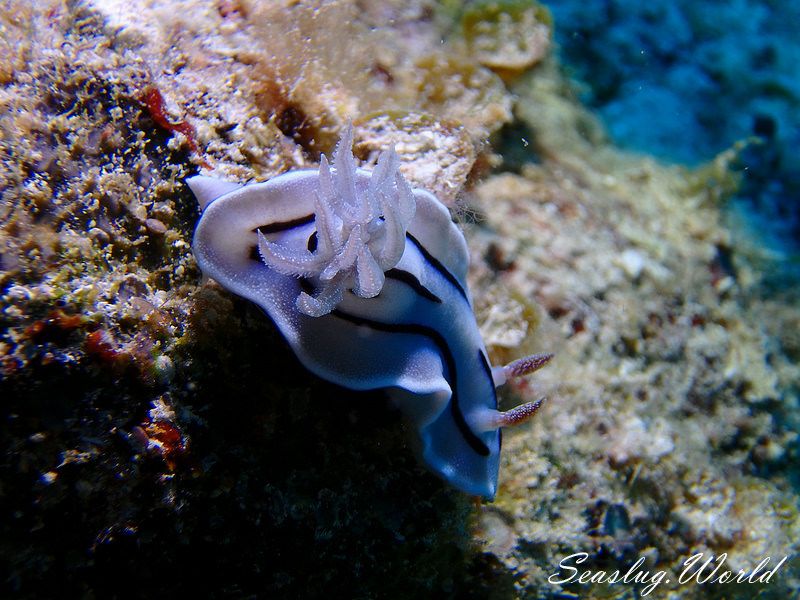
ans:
x=156 y=425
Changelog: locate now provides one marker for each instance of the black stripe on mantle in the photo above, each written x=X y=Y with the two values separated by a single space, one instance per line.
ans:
x=434 y=262
x=473 y=441
x=286 y=225
x=411 y=281
x=430 y=258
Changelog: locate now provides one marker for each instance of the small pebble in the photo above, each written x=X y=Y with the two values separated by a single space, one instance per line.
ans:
x=48 y=478
x=632 y=262
x=164 y=368
x=100 y=236
x=155 y=226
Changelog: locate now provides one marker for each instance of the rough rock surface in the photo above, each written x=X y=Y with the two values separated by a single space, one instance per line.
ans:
x=158 y=436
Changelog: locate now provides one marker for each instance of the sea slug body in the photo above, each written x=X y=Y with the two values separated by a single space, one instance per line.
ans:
x=366 y=279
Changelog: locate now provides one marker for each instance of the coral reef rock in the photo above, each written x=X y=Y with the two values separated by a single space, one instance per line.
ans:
x=158 y=434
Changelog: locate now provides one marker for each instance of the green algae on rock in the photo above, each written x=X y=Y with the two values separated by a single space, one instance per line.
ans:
x=507 y=35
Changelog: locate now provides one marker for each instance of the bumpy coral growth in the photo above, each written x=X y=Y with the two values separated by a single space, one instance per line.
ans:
x=509 y=35
x=360 y=233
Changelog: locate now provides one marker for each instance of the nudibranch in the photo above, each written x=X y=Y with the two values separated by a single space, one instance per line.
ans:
x=366 y=279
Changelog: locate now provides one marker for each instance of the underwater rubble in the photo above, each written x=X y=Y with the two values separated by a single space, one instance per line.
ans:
x=158 y=434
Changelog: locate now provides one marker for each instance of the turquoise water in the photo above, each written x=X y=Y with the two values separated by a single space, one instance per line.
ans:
x=684 y=80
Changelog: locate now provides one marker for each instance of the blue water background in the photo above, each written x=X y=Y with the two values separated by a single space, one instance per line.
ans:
x=685 y=79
